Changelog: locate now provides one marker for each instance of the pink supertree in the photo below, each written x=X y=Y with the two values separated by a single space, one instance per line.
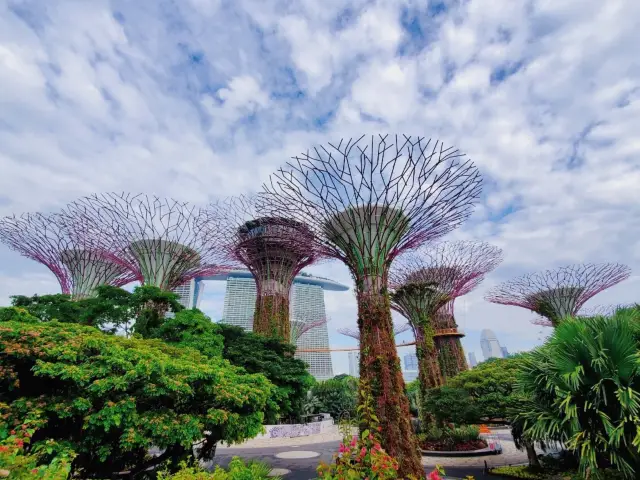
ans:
x=398 y=328
x=368 y=200
x=587 y=312
x=274 y=249
x=50 y=240
x=300 y=327
x=424 y=282
x=560 y=293
x=164 y=242
x=481 y=258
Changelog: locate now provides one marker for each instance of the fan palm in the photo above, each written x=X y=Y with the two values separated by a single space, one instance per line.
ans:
x=584 y=391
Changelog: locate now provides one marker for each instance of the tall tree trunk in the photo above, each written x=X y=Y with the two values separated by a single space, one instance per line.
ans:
x=429 y=375
x=271 y=317
x=532 y=455
x=380 y=368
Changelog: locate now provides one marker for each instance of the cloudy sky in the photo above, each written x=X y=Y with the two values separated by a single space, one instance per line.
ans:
x=200 y=99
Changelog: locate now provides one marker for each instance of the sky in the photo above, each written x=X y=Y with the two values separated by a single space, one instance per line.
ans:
x=202 y=99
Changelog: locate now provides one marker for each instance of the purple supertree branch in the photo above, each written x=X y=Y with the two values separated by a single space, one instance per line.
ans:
x=163 y=241
x=52 y=241
x=588 y=312
x=299 y=328
x=447 y=270
x=560 y=292
x=272 y=247
x=411 y=189
x=398 y=328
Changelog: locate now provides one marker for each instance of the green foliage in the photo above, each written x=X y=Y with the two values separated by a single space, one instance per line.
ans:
x=110 y=399
x=16 y=314
x=584 y=390
x=413 y=394
x=361 y=458
x=336 y=396
x=192 y=328
x=520 y=471
x=110 y=310
x=238 y=470
x=483 y=394
x=274 y=359
x=452 y=436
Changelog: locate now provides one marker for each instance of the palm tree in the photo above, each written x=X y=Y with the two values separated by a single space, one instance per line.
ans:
x=584 y=391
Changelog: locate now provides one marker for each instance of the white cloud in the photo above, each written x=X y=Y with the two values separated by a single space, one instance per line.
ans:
x=202 y=99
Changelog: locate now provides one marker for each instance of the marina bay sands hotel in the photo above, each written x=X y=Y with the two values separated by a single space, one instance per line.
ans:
x=307 y=305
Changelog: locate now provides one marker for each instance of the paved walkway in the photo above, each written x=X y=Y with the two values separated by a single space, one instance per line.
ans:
x=297 y=458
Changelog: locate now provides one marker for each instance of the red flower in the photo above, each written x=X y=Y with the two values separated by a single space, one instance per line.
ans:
x=12 y=432
x=354 y=440
x=24 y=427
x=4 y=449
x=434 y=475
x=35 y=470
x=363 y=452
x=19 y=442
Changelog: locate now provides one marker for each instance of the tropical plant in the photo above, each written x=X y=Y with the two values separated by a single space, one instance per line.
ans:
x=336 y=396
x=363 y=457
x=110 y=399
x=583 y=390
x=237 y=470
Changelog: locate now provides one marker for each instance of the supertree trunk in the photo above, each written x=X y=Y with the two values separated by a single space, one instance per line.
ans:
x=429 y=374
x=450 y=356
x=380 y=366
x=271 y=317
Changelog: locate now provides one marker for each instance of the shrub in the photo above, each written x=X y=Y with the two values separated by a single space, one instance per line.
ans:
x=237 y=470
x=110 y=399
x=466 y=437
x=336 y=396
x=584 y=387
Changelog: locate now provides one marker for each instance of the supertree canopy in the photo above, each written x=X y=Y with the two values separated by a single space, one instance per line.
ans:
x=588 y=312
x=398 y=328
x=480 y=258
x=274 y=249
x=300 y=327
x=556 y=294
x=367 y=200
x=63 y=249
x=165 y=243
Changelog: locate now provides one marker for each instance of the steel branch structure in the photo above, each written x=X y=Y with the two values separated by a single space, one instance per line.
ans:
x=556 y=294
x=595 y=311
x=480 y=258
x=367 y=200
x=422 y=284
x=164 y=242
x=52 y=241
x=398 y=328
x=300 y=327
x=274 y=248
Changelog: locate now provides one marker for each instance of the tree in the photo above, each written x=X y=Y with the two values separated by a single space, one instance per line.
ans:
x=111 y=308
x=273 y=358
x=110 y=399
x=583 y=389
x=337 y=396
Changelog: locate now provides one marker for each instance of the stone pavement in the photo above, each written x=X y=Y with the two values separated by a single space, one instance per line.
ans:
x=297 y=458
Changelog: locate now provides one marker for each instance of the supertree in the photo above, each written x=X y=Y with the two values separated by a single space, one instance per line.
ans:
x=480 y=258
x=51 y=240
x=274 y=248
x=398 y=328
x=164 y=242
x=367 y=200
x=556 y=294
x=421 y=284
x=594 y=311
x=300 y=327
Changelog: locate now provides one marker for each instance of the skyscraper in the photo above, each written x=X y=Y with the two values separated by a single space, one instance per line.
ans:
x=354 y=364
x=472 y=359
x=307 y=305
x=505 y=352
x=490 y=345
x=411 y=361
x=189 y=293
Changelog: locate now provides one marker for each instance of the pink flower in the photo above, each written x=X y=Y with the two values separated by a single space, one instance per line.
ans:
x=434 y=475
x=342 y=448
x=363 y=452
x=354 y=440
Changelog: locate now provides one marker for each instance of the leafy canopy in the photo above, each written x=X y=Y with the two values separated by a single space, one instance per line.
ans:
x=110 y=399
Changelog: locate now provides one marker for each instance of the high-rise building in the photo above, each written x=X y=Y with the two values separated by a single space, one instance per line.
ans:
x=409 y=375
x=472 y=359
x=354 y=364
x=490 y=345
x=411 y=361
x=505 y=352
x=307 y=305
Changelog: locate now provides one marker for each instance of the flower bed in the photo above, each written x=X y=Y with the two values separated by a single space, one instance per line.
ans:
x=441 y=446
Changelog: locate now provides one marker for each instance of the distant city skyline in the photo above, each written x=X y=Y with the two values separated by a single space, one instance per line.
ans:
x=472 y=359
x=489 y=344
x=354 y=364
